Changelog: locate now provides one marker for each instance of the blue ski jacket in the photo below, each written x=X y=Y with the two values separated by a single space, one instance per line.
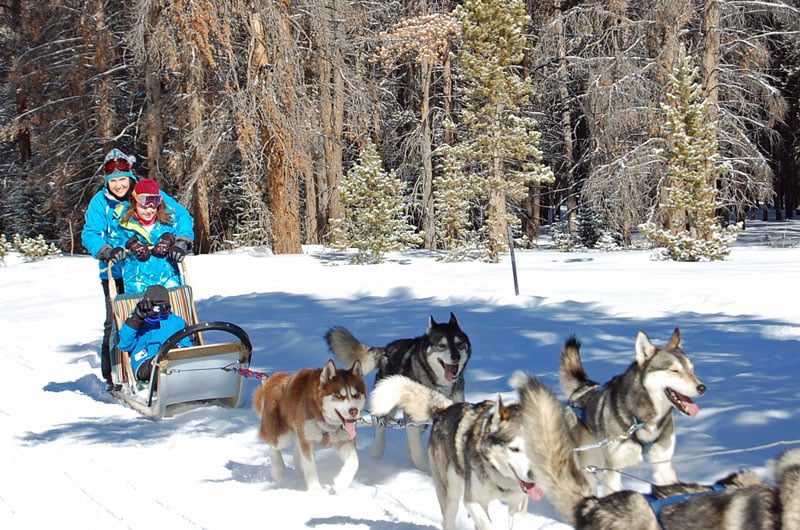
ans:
x=145 y=342
x=139 y=275
x=102 y=226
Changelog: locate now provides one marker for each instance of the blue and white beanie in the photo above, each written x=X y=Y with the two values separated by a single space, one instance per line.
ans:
x=115 y=154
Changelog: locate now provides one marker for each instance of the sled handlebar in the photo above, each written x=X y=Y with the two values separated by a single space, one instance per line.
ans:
x=191 y=329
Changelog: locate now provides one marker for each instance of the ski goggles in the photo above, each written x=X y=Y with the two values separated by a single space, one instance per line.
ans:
x=159 y=312
x=117 y=164
x=148 y=201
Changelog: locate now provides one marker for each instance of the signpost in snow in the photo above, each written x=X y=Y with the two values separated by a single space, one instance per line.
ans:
x=513 y=259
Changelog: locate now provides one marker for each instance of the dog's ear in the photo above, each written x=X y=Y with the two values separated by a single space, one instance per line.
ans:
x=499 y=414
x=675 y=340
x=644 y=348
x=431 y=323
x=328 y=372
x=357 y=370
x=453 y=319
x=502 y=411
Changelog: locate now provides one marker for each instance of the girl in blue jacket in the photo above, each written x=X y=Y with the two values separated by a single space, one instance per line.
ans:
x=149 y=222
x=147 y=328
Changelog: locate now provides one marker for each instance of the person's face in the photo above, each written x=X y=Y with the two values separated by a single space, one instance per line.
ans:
x=146 y=213
x=119 y=186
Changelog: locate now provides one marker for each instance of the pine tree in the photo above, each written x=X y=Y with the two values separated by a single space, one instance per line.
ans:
x=498 y=144
x=245 y=215
x=374 y=219
x=692 y=231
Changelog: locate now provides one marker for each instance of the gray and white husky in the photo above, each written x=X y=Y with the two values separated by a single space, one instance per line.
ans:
x=436 y=359
x=475 y=449
x=632 y=414
x=740 y=501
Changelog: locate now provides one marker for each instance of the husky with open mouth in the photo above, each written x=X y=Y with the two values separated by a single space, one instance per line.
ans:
x=632 y=414
x=436 y=359
x=476 y=450
x=312 y=407
x=739 y=501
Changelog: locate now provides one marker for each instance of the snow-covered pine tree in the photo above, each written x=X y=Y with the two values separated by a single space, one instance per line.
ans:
x=455 y=222
x=244 y=221
x=498 y=144
x=374 y=219
x=692 y=231
x=34 y=248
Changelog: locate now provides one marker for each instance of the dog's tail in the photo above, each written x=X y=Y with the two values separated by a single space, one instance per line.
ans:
x=259 y=398
x=547 y=444
x=787 y=476
x=419 y=402
x=572 y=373
x=349 y=349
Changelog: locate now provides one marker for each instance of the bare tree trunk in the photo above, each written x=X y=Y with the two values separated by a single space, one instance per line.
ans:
x=428 y=225
x=106 y=117
x=709 y=60
x=153 y=125
x=283 y=184
x=333 y=121
x=198 y=163
x=710 y=73
x=566 y=124
x=532 y=222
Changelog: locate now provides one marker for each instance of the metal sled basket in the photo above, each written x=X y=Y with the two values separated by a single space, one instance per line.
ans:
x=198 y=373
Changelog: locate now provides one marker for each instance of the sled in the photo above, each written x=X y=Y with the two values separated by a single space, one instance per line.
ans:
x=201 y=373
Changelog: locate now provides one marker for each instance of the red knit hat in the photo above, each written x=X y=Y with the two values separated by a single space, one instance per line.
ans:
x=146 y=187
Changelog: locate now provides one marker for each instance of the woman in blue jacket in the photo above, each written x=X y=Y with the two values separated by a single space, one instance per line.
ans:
x=150 y=228
x=147 y=328
x=102 y=235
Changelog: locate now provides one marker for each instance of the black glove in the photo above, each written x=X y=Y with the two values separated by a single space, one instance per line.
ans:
x=143 y=309
x=139 y=248
x=162 y=246
x=111 y=255
x=176 y=253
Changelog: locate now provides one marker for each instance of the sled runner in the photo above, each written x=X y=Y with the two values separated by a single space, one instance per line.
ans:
x=202 y=372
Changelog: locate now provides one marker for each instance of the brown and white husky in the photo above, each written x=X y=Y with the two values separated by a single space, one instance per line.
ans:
x=312 y=407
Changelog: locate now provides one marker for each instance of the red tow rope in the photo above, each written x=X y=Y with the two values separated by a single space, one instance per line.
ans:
x=251 y=374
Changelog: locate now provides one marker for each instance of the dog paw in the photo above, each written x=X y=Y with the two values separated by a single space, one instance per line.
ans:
x=341 y=485
x=314 y=486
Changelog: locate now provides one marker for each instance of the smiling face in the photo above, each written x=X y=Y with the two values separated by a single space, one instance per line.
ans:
x=146 y=213
x=119 y=186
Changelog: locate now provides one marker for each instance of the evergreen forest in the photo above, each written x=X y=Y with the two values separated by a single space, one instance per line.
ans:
x=278 y=122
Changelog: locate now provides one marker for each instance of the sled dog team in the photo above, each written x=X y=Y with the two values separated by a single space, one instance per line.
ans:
x=486 y=451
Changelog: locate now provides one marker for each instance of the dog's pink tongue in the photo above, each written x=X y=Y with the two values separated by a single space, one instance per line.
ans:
x=350 y=427
x=450 y=371
x=687 y=405
x=533 y=491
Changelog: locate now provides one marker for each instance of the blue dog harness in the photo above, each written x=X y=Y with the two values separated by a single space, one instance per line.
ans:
x=659 y=504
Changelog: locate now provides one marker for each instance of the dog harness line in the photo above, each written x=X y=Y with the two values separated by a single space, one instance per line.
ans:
x=635 y=426
x=251 y=374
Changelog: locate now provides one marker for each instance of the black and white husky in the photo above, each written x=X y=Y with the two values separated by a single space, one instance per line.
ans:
x=740 y=501
x=475 y=449
x=632 y=414
x=436 y=359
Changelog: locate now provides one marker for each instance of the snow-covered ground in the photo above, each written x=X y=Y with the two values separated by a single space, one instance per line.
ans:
x=72 y=456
